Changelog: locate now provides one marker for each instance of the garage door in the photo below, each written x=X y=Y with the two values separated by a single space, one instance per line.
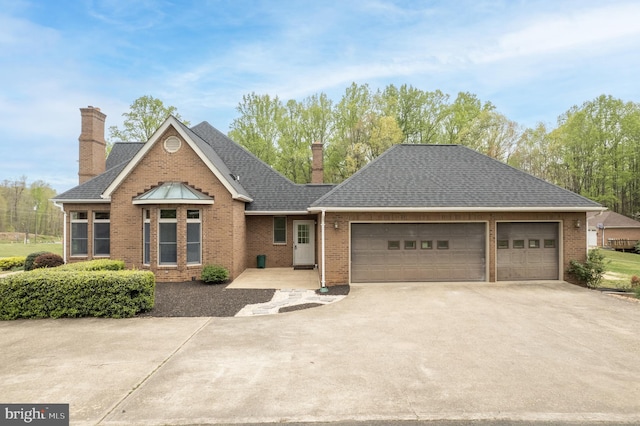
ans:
x=527 y=251
x=397 y=252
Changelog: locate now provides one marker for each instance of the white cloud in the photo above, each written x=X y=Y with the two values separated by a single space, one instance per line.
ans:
x=588 y=32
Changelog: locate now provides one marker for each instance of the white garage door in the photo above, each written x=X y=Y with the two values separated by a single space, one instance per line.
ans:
x=413 y=252
x=528 y=251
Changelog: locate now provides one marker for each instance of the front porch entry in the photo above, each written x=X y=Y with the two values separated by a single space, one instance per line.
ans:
x=277 y=278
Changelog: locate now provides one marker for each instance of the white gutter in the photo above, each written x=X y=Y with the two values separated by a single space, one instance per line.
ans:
x=64 y=231
x=89 y=201
x=323 y=286
x=275 y=212
x=457 y=209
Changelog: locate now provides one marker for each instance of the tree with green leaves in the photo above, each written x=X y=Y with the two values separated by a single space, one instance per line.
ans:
x=599 y=142
x=257 y=128
x=27 y=208
x=419 y=114
x=145 y=115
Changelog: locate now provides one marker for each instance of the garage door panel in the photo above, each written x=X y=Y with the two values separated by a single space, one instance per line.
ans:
x=527 y=251
x=417 y=254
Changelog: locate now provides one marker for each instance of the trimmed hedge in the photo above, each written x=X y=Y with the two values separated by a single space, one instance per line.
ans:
x=55 y=293
x=95 y=265
x=214 y=274
x=7 y=263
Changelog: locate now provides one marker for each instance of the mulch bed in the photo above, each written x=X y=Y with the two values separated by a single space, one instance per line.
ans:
x=197 y=299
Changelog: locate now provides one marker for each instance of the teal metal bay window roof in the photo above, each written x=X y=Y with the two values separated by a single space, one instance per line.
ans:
x=173 y=193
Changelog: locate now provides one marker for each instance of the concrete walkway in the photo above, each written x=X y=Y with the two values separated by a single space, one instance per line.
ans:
x=278 y=278
x=287 y=298
x=537 y=352
x=293 y=288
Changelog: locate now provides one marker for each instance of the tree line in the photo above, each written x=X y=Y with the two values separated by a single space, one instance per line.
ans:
x=594 y=150
x=27 y=209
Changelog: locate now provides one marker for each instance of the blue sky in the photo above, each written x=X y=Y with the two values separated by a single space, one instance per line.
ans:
x=532 y=59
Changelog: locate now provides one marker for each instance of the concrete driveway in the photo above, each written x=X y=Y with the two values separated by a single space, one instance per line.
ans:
x=536 y=352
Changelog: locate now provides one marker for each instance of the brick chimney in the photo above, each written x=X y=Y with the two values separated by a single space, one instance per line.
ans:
x=92 y=157
x=317 y=167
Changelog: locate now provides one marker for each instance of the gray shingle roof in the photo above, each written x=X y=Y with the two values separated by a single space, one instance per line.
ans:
x=217 y=162
x=122 y=152
x=446 y=176
x=269 y=190
x=93 y=188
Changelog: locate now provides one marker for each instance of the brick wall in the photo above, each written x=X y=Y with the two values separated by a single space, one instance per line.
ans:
x=92 y=154
x=260 y=241
x=223 y=228
x=618 y=234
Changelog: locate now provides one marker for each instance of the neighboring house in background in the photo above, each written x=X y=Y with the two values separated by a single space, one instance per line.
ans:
x=188 y=197
x=613 y=230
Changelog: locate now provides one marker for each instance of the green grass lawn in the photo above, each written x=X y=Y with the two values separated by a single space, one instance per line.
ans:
x=620 y=269
x=20 y=249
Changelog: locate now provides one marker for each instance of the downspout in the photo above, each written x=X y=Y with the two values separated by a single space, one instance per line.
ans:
x=64 y=231
x=323 y=287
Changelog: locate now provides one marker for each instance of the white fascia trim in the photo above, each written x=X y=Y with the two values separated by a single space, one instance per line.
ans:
x=276 y=213
x=455 y=209
x=171 y=121
x=91 y=201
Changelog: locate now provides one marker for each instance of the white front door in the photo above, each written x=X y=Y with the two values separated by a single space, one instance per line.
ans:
x=304 y=236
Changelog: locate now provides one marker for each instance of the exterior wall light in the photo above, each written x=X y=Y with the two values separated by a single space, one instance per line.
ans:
x=335 y=225
x=577 y=224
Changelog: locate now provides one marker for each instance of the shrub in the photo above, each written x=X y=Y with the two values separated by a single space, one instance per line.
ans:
x=591 y=272
x=31 y=258
x=635 y=282
x=48 y=260
x=214 y=274
x=95 y=265
x=56 y=293
x=7 y=263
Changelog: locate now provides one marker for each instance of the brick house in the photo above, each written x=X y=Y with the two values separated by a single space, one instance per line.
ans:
x=613 y=230
x=188 y=197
